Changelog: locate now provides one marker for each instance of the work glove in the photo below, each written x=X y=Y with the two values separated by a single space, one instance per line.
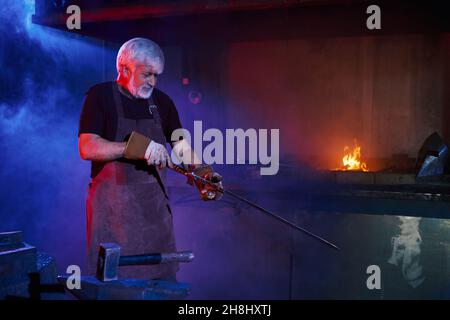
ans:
x=207 y=191
x=140 y=147
x=156 y=154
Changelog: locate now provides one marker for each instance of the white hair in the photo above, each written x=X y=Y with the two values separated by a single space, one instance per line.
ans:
x=140 y=49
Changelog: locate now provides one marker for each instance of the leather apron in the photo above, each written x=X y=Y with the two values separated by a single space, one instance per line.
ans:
x=128 y=205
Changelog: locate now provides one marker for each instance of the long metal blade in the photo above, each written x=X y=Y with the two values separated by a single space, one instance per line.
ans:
x=254 y=205
x=279 y=218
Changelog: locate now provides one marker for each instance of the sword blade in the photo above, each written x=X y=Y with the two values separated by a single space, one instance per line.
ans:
x=254 y=205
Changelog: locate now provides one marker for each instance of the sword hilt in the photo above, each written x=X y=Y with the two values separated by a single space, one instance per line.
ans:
x=186 y=173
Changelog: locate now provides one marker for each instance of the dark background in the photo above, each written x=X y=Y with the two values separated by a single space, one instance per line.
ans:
x=313 y=71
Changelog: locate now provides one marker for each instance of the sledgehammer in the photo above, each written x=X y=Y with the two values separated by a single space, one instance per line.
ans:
x=109 y=260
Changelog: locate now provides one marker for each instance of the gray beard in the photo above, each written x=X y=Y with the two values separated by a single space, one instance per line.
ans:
x=136 y=95
x=147 y=95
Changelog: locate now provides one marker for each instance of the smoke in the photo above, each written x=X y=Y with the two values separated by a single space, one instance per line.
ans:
x=45 y=73
x=406 y=251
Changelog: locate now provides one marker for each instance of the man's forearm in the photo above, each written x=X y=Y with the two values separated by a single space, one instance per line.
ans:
x=95 y=148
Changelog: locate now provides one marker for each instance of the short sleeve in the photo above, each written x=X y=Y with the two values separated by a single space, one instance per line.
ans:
x=92 y=118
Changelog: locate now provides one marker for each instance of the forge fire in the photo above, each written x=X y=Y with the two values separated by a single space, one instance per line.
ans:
x=352 y=159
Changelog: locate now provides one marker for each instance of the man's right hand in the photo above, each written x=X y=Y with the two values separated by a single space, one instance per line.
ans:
x=140 y=147
x=156 y=154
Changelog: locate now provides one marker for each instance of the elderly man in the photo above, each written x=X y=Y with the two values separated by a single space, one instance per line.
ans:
x=127 y=202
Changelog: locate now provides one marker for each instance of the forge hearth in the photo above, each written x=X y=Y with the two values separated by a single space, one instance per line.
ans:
x=370 y=178
x=381 y=193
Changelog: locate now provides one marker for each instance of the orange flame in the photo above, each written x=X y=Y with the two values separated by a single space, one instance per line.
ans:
x=352 y=159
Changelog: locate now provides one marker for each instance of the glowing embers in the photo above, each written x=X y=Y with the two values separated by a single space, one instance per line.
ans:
x=352 y=159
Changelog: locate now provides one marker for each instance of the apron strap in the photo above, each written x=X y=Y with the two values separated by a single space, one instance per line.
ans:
x=153 y=108
x=117 y=99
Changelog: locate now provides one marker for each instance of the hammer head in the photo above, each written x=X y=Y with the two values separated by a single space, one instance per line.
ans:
x=108 y=262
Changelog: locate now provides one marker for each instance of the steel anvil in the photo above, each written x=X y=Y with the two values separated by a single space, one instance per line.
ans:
x=107 y=286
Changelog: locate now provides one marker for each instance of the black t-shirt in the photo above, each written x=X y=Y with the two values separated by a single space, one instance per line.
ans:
x=99 y=115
